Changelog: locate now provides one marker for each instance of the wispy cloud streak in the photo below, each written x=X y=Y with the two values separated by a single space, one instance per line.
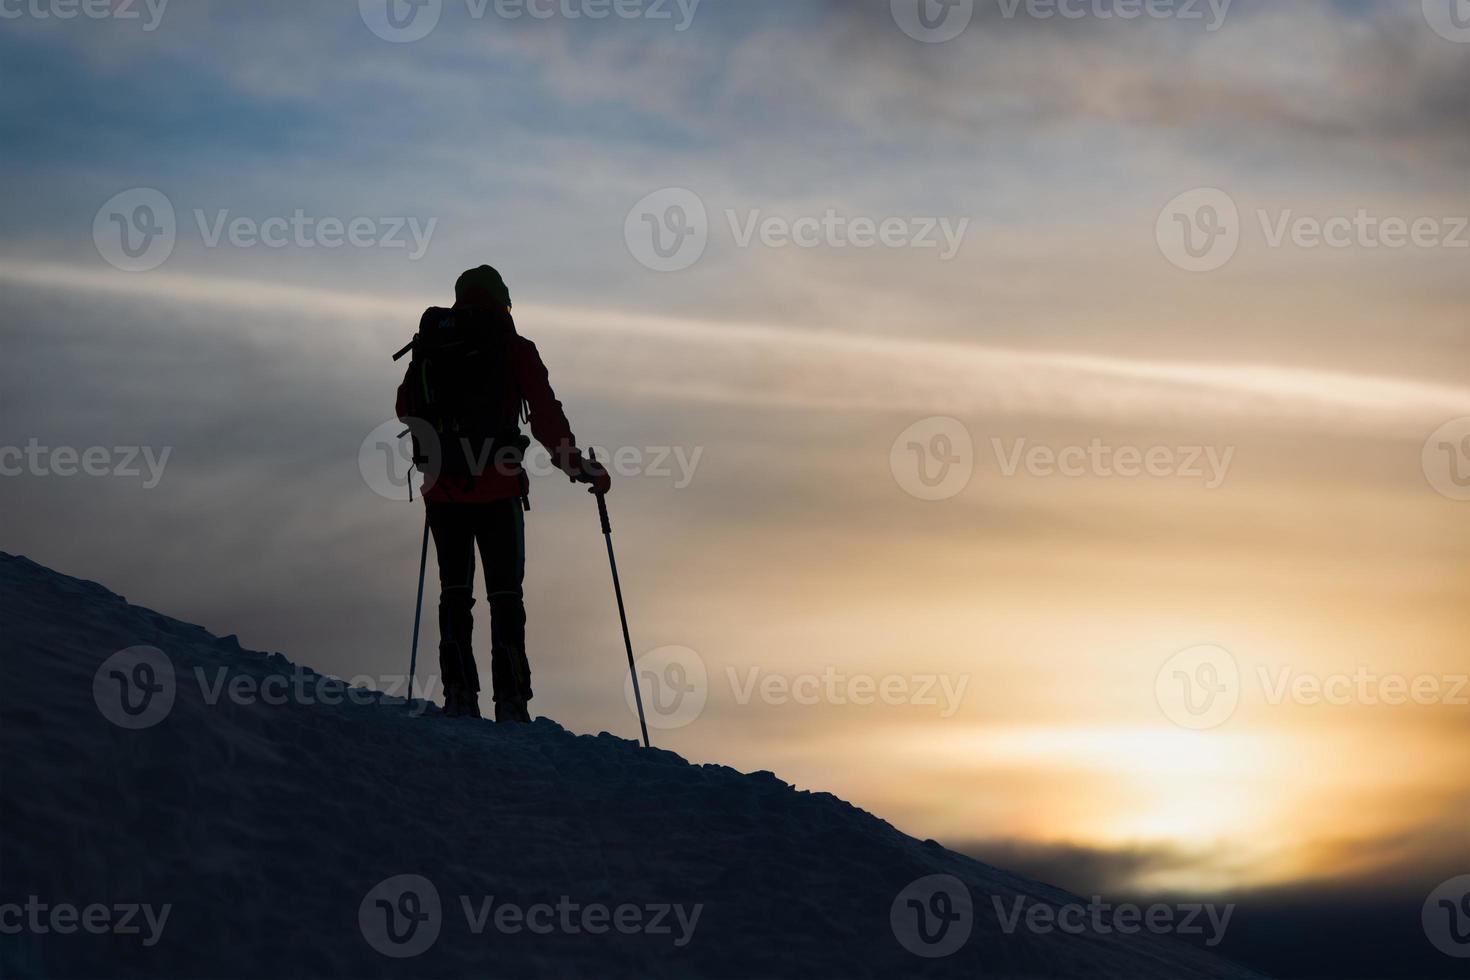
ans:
x=754 y=363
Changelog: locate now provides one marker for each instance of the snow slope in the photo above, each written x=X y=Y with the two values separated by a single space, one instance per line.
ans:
x=256 y=839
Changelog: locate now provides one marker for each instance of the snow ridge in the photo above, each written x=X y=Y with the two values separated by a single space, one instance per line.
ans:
x=351 y=834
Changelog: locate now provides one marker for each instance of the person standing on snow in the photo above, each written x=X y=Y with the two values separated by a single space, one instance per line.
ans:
x=472 y=381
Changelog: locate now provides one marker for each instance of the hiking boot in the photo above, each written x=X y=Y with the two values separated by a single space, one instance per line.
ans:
x=459 y=703
x=512 y=711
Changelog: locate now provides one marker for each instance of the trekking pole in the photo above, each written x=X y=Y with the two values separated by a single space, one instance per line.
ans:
x=622 y=613
x=418 y=609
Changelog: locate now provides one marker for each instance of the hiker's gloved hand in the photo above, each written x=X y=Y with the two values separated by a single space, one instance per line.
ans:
x=595 y=476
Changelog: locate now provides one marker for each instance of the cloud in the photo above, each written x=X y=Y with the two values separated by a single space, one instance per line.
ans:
x=1079 y=868
x=763 y=364
x=1373 y=922
x=1307 y=72
x=1312 y=72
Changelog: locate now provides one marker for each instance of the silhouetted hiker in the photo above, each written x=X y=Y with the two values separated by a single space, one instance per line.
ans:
x=472 y=381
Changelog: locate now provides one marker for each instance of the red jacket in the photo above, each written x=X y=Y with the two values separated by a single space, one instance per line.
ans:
x=548 y=420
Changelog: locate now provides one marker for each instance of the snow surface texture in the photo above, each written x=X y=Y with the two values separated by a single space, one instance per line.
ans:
x=275 y=835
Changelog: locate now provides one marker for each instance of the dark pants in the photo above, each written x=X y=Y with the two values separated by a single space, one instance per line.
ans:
x=499 y=530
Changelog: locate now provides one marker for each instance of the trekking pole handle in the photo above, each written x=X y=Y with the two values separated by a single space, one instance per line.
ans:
x=601 y=500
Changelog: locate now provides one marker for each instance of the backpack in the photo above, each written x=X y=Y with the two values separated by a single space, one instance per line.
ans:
x=465 y=392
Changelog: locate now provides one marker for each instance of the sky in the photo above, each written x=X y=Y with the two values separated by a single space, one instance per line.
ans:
x=976 y=396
